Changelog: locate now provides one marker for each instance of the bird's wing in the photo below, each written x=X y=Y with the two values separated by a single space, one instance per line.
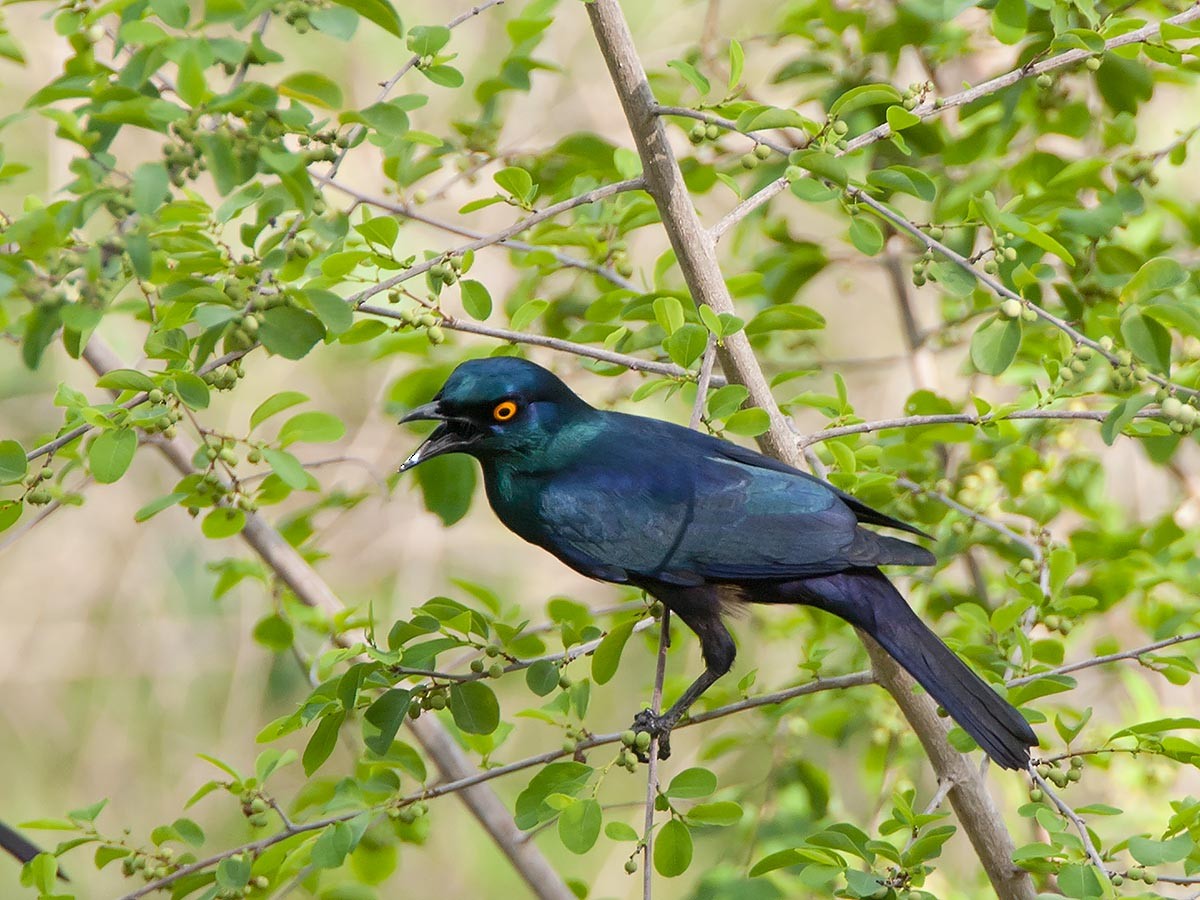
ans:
x=690 y=513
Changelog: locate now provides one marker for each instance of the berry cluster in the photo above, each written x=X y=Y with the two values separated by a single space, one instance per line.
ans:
x=254 y=808
x=152 y=866
x=1181 y=417
x=751 y=160
x=419 y=317
x=701 y=132
x=298 y=13
x=916 y=93
x=1001 y=251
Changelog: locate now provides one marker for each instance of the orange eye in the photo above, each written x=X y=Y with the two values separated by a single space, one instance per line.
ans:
x=504 y=411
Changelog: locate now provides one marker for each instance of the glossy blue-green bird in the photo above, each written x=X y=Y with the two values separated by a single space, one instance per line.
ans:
x=699 y=523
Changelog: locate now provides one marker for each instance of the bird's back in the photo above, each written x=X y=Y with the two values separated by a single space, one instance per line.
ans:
x=641 y=499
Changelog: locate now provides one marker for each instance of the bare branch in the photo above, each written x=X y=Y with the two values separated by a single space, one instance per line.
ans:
x=660 y=675
x=410 y=212
x=499 y=237
x=1091 y=415
x=1104 y=660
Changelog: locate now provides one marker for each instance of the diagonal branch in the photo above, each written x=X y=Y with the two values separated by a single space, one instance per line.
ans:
x=695 y=250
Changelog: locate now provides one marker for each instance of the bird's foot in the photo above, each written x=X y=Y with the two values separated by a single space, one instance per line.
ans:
x=657 y=726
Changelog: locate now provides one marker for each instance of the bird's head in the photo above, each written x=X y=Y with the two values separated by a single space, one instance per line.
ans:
x=496 y=406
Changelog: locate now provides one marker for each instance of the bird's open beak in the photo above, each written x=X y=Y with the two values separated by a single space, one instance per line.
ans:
x=450 y=436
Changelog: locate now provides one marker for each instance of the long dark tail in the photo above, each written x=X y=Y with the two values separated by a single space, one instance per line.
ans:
x=17 y=845
x=867 y=600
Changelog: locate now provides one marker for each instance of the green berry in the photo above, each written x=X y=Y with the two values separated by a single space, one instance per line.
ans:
x=564 y=681
x=1044 y=81
x=492 y=650
x=1093 y=63
x=1076 y=762
x=712 y=132
x=762 y=151
x=642 y=741
x=749 y=161
x=495 y=670
x=437 y=701
x=1011 y=308
x=628 y=738
x=1028 y=314
x=840 y=128
x=631 y=866
x=477 y=666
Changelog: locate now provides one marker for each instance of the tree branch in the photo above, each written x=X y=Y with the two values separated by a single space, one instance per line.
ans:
x=695 y=249
x=407 y=211
x=1104 y=660
x=499 y=237
x=964 y=419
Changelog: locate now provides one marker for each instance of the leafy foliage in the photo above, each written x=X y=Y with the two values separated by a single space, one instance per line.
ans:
x=203 y=218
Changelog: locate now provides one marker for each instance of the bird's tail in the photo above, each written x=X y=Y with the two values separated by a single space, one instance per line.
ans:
x=17 y=845
x=867 y=600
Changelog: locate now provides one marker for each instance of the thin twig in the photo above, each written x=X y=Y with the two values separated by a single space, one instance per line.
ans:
x=706 y=371
x=499 y=237
x=1092 y=415
x=386 y=87
x=451 y=787
x=660 y=674
x=1073 y=817
x=410 y=212
x=1104 y=660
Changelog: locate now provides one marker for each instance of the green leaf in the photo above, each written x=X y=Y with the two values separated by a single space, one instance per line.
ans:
x=737 y=60
x=692 y=75
x=527 y=313
x=13 y=464
x=111 y=453
x=276 y=403
x=994 y=345
x=668 y=312
x=864 y=95
x=287 y=467
x=126 y=380
x=905 y=179
x=579 y=825
x=672 y=849
x=1121 y=415
x=542 y=677
x=608 y=652
x=151 y=186
x=447 y=485
x=1149 y=341
x=721 y=812
x=191 y=389
x=476 y=299
x=312 y=87
x=290 y=332
x=1010 y=18
x=313 y=427
x=866 y=236
x=380 y=12
x=515 y=181
x=823 y=165
x=446 y=76
x=1153 y=278
x=790 y=317
x=724 y=401
x=687 y=344
x=899 y=118
x=750 y=422
x=321 y=744
x=427 y=40
x=620 y=831
x=387 y=714
x=154 y=507
x=334 y=312
x=692 y=783
x=275 y=633
x=223 y=522
x=1156 y=853
x=474 y=707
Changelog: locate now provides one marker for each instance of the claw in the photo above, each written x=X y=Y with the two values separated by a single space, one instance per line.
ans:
x=659 y=727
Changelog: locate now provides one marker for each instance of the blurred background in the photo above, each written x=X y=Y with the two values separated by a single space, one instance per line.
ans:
x=117 y=666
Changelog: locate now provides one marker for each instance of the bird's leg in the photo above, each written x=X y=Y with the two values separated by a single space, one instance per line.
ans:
x=718 y=648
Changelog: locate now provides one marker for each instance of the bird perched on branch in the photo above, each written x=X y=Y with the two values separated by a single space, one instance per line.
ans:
x=699 y=523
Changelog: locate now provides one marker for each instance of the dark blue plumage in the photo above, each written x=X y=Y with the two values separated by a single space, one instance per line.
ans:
x=699 y=523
